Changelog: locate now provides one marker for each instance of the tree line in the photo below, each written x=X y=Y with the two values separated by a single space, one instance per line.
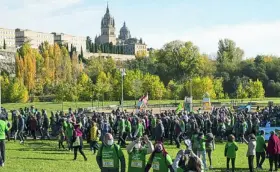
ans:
x=176 y=70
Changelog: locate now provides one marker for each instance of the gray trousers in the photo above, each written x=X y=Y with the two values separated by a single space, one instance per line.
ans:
x=2 y=151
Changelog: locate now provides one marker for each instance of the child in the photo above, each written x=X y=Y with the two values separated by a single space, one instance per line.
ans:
x=61 y=138
x=230 y=151
x=251 y=152
x=94 y=138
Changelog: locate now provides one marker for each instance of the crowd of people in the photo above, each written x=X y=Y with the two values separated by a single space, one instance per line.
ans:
x=136 y=131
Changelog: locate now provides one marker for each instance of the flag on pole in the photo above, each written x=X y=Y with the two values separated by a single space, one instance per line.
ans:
x=143 y=101
x=179 y=108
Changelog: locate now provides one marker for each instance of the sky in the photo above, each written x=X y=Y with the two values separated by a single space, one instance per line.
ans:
x=253 y=24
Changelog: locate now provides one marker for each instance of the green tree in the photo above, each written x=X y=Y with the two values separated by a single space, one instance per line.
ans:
x=153 y=86
x=218 y=88
x=4 y=46
x=255 y=89
x=18 y=93
x=228 y=52
x=200 y=86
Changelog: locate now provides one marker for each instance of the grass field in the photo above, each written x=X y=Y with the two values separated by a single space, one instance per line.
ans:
x=54 y=106
x=45 y=156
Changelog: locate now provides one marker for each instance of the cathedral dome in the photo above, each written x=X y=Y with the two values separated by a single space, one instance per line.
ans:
x=124 y=32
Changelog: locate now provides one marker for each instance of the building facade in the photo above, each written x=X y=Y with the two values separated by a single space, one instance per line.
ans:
x=7 y=36
x=132 y=46
x=34 y=38
x=65 y=39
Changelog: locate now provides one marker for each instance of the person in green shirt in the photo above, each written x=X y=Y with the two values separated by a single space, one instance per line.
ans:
x=3 y=132
x=69 y=133
x=137 y=154
x=230 y=151
x=201 y=151
x=140 y=128
x=121 y=129
x=260 y=149
x=109 y=155
x=159 y=160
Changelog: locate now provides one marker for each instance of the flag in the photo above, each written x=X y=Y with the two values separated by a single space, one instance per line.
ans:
x=143 y=101
x=179 y=108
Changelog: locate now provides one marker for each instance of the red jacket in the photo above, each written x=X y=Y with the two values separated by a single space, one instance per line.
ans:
x=273 y=145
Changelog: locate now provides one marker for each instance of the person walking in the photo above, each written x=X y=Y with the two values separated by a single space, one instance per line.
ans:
x=3 y=132
x=20 y=129
x=94 y=138
x=273 y=150
x=251 y=152
x=69 y=134
x=260 y=149
x=78 y=141
x=110 y=156
x=137 y=154
x=159 y=160
x=230 y=152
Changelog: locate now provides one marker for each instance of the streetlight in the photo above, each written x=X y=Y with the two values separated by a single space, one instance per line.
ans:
x=123 y=74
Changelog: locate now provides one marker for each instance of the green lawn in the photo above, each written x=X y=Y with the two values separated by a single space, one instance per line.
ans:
x=54 y=106
x=44 y=156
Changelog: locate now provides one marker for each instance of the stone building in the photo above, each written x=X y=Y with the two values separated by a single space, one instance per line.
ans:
x=34 y=38
x=9 y=36
x=132 y=46
x=77 y=41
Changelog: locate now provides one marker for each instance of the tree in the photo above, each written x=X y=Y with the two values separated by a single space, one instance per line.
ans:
x=177 y=60
x=102 y=85
x=153 y=86
x=241 y=92
x=4 y=46
x=255 y=89
x=218 y=88
x=18 y=93
x=89 y=44
x=174 y=89
x=200 y=86
x=228 y=52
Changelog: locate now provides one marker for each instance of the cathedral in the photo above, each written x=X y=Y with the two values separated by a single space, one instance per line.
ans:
x=132 y=46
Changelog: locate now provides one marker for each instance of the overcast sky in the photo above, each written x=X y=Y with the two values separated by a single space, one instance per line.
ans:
x=253 y=24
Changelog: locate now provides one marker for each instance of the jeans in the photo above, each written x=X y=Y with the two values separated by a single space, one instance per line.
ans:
x=203 y=153
x=258 y=156
x=232 y=163
x=251 y=162
x=2 y=151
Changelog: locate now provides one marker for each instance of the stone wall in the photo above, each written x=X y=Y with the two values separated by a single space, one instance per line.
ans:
x=7 y=61
x=120 y=57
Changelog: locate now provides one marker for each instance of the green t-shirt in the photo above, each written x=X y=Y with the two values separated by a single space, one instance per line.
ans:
x=195 y=142
x=231 y=148
x=201 y=145
x=69 y=130
x=161 y=163
x=154 y=122
x=3 y=129
x=121 y=126
x=110 y=158
x=260 y=144
x=137 y=160
x=140 y=130
x=127 y=126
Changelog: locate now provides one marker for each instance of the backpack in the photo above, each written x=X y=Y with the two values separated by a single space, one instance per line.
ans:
x=115 y=147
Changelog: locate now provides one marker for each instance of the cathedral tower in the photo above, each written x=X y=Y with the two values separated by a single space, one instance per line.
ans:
x=108 y=28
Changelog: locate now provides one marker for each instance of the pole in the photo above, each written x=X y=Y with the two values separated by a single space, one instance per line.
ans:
x=191 y=105
x=122 y=92
x=0 y=93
